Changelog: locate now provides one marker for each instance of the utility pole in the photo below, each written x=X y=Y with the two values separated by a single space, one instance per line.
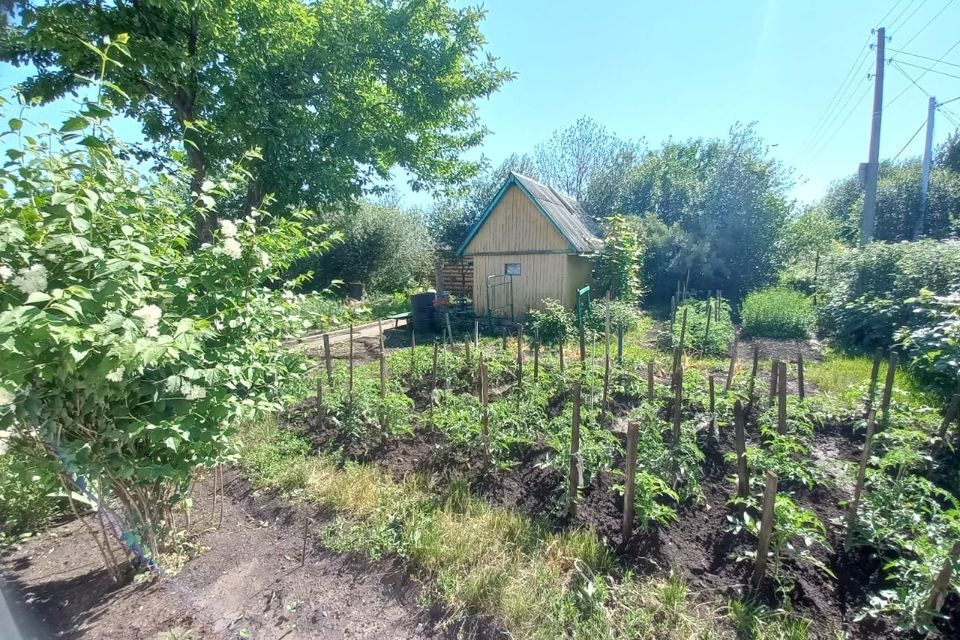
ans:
x=873 y=163
x=925 y=170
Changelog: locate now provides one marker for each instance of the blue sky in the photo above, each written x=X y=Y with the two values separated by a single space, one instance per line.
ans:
x=681 y=69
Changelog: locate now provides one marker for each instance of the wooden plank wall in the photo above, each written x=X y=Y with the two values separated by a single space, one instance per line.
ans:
x=516 y=226
x=456 y=276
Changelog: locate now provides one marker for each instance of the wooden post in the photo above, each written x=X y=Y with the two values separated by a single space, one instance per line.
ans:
x=888 y=387
x=766 y=528
x=941 y=584
x=328 y=358
x=383 y=369
x=683 y=329
x=576 y=466
x=630 y=473
x=604 y=403
x=861 y=473
x=519 y=354
x=713 y=411
x=466 y=347
x=476 y=333
x=536 y=355
x=620 y=345
x=673 y=310
x=320 y=410
x=948 y=418
x=717 y=306
x=650 y=388
x=774 y=370
x=740 y=446
x=485 y=416
x=733 y=362
x=753 y=372
x=874 y=378
x=706 y=333
x=413 y=354
x=433 y=373
x=677 y=403
x=350 y=366
x=782 y=397
x=800 y=387
x=561 y=356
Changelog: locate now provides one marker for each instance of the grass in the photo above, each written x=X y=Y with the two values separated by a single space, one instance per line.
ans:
x=481 y=560
x=777 y=312
x=847 y=377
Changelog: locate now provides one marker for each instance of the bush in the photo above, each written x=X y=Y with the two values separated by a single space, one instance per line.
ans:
x=554 y=322
x=28 y=492
x=717 y=341
x=777 y=312
x=864 y=292
x=623 y=315
x=935 y=347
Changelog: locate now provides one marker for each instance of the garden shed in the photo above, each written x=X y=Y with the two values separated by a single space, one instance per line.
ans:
x=531 y=242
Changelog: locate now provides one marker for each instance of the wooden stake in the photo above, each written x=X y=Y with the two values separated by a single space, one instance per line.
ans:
x=706 y=333
x=604 y=403
x=774 y=370
x=800 y=387
x=677 y=403
x=476 y=333
x=576 y=465
x=888 y=386
x=650 y=387
x=383 y=379
x=782 y=398
x=630 y=473
x=466 y=346
x=766 y=528
x=620 y=345
x=519 y=355
x=874 y=378
x=328 y=358
x=941 y=584
x=733 y=362
x=536 y=356
x=350 y=367
x=740 y=446
x=320 y=410
x=485 y=416
x=561 y=357
x=753 y=372
x=673 y=310
x=433 y=374
x=413 y=355
x=861 y=474
x=683 y=329
x=713 y=412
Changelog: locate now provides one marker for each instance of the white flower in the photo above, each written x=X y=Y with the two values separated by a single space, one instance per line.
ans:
x=5 y=272
x=218 y=325
x=228 y=229
x=150 y=316
x=31 y=279
x=5 y=397
x=287 y=294
x=232 y=248
x=264 y=258
x=192 y=391
x=116 y=375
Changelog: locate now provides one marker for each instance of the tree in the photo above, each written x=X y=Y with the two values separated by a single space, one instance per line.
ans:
x=333 y=93
x=570 y=159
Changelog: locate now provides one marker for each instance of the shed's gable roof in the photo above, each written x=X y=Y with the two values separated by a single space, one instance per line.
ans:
x=563 y=212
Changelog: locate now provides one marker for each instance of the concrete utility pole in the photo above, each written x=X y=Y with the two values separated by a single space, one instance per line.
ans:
x=873 y=162
x=925 y=170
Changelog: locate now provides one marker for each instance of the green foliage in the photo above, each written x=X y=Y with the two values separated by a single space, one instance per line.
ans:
x=864 y=292
x=808 y=239
x=623 y=315
x=777 y=313
x=616 y=269
x=128 y=354
x=335 y=94
x=934 y=346
x=29 y=489
x=717 y=341
x=363 y=417
x=598 y=446
x=554 y=323
x=381 y=246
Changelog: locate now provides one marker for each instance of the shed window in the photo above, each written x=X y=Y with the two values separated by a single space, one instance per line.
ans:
x=511 y=269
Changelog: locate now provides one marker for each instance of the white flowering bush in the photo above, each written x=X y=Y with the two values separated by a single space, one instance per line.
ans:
x=125 y=351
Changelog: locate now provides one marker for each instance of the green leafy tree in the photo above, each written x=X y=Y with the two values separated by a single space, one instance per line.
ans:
x=333 y=93
x=617 y=265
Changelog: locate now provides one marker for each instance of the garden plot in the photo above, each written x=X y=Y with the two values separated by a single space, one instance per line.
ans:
x=427 y=415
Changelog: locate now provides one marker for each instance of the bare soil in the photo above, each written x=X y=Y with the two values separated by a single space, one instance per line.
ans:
x=248 y=582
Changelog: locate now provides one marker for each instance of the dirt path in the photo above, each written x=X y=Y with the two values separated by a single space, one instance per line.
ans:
x=247 y=583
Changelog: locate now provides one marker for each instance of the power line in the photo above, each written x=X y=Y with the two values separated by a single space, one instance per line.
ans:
x=843 y=122
x=924 y=27
x=896 y=65
x=838 y=96
x=917 y=55
x=891 y=10
x=946 y=53
x=893 y=23
x=912 y=138
x=927 y=69
x=940 y=104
